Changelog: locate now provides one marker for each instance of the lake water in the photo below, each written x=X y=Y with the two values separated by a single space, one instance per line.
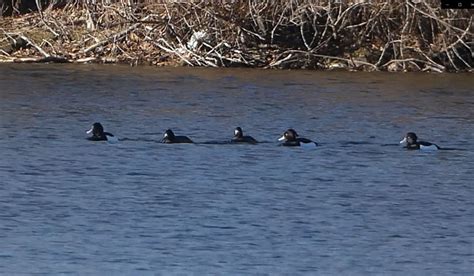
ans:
x=357 y=205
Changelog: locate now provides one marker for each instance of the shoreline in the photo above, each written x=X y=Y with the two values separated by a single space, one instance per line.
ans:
x=358 y=36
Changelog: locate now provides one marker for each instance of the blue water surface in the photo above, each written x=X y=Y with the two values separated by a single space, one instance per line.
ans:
x=357 y=205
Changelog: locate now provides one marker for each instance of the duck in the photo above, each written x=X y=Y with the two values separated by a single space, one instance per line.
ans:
x=98 y=133
x=240 y=138
x=170 y=138
x=411 y=143
x=290 y=139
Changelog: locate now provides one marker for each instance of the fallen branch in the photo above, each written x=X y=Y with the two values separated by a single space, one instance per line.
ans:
x=47 y=57
x=86 y=60
x=278 y=62
x=169 y=49
x=114 y=37
x=435 y=65
x=41 y=60
x=263 y=34
x=349 y=61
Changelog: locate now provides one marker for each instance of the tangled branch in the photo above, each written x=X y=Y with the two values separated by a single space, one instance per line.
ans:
x=356 y=35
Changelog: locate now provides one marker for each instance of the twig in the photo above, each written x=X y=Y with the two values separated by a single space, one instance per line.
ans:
x=276 y=25
x=169 y=49
x=43 y=52
x=114 y=37
x=4 y=53
x=438 y=20
x=383 y=51
x=111 y=38
x=442 y=68
x=85 y=60
x=41 y=59
x=278 y=62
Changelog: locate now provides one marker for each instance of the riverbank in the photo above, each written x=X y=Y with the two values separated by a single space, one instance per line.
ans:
x=376 y=36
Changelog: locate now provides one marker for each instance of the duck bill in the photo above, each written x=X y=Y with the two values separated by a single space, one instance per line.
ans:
x=90 y=131
x=282 y=138
x=403 y=141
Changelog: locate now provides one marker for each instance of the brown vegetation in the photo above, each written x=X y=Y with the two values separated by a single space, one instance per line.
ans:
x=355 y=35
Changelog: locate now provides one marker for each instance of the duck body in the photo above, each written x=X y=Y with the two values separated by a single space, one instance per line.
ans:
x=98 y=133
x=170 y=138
x=411 y=143
x=240 y=138
x=290 y=139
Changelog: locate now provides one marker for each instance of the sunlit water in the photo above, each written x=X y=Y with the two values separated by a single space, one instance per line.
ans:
x=357 y=205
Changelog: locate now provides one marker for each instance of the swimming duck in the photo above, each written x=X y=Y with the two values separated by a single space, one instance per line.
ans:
x=411 y=143
x=240 y=138
x=290 y=138
x=98 y=133
x=170 y=138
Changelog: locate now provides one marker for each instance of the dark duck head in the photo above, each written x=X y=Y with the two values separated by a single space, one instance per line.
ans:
x=98 y=133
x=238 y=133
x=170 y=138
x=291 y=138
x=240 y=138
x=411 y=142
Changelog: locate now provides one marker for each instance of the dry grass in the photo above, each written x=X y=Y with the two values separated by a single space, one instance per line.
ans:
x=364 y=35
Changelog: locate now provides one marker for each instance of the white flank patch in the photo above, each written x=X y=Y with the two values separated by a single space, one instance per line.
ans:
x=432 y=147
x=308 y=145
x=112 y=139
